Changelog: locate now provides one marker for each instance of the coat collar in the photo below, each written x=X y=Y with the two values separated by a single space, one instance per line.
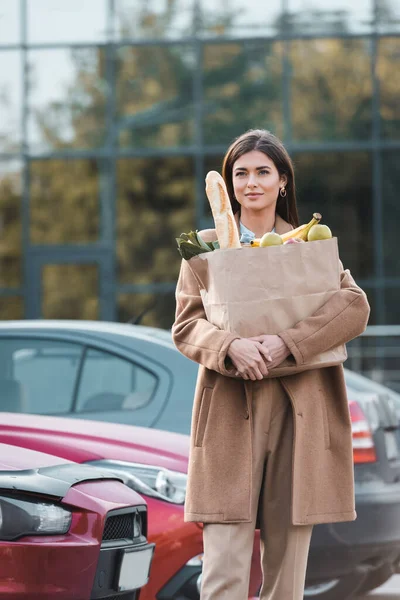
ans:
x=281 y=226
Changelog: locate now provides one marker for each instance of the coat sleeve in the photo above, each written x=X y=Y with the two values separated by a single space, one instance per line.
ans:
x=341 y=319
x=193 y=335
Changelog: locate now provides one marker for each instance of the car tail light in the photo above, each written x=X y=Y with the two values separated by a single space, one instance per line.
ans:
x=363 y=441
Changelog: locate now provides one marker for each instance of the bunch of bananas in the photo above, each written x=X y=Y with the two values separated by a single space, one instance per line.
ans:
x=309 y=232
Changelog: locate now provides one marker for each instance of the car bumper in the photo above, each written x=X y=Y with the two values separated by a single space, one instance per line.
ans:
x=81 y=564
x=54 y=572
x=338 y=549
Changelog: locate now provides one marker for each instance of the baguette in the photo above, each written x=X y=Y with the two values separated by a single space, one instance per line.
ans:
x=225 y=225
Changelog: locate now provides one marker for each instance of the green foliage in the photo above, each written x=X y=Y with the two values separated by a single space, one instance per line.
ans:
x=155 y=200
x=192 y=244
x=10 y=227
x=70 y=291
x=64 y=201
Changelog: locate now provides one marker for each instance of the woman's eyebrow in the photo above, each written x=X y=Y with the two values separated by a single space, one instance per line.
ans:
x=244 y=168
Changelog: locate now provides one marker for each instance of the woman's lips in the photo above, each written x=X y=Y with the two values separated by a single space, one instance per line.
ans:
x=253 y=195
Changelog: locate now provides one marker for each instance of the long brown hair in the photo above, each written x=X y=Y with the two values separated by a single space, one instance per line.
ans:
x=264 y=141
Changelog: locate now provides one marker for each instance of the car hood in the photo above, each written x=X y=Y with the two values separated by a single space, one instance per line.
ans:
x=81 y=440
x=25 y=470
x=13 y=458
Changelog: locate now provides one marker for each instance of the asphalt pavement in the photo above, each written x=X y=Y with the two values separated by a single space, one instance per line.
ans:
x=389 y=591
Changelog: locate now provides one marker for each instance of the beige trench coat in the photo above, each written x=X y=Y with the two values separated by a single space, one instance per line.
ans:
x=220 y=462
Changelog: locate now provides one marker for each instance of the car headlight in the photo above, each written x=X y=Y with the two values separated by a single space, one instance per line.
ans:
x=156 y=482
x=19 y=518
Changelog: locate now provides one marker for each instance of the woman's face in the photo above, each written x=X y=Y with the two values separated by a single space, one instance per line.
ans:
x=256 y=180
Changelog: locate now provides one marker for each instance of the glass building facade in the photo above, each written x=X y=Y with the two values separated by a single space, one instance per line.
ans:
x=113 y=111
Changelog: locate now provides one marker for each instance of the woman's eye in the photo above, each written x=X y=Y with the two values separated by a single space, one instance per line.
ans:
x=240 y=173
x=264 y=172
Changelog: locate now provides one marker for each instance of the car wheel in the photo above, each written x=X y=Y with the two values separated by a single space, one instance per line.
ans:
x=376 y=578
x=343 y=588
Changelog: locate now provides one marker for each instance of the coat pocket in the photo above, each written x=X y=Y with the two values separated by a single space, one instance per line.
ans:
x=325 y=422
x=203 y=416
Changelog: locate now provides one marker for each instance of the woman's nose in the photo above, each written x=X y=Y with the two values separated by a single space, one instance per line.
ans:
x=252 y=181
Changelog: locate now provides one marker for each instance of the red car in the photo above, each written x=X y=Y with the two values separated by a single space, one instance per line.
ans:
x=152 y=462
x=68 y=531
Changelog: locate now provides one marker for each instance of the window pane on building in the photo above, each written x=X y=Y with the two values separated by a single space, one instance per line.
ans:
x=242 y=90
x=10 y=100
x=70 y=291
x=158 y=19
x=155 y=204
x=388 y=13
x=9 y=22
x=392 y=305
x=153 y=310
x=64 y=202
x=389 y=86
x=391 y=211
x=11 y=307
x=339 y=186
x=67 y=98
x=155 y=96
x=325 y=16
x=10 y=224
x=331 y=89
x=240 y=18
x=67 y=21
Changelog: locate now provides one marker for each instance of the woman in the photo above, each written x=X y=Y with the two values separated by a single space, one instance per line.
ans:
x=265 y=451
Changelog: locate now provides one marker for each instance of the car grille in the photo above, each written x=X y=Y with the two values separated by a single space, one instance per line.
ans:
x=119 y=527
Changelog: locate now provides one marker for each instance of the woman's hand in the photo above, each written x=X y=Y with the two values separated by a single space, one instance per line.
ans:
x=249 y=358
x=276 y=346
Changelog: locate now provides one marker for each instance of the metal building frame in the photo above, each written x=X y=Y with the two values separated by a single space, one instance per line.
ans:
x=103 y=252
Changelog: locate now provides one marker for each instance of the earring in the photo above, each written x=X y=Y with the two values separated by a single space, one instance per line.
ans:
x=282 y=192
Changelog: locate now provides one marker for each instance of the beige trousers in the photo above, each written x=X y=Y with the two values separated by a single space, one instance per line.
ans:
x=228 y=547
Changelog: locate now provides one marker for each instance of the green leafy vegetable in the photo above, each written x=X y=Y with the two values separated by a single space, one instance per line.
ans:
x=191 y=244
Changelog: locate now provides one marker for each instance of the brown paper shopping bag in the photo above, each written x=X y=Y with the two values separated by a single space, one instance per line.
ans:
x=251 y=291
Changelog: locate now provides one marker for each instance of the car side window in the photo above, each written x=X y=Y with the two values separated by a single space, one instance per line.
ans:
x=38 y=376
x=109 y=383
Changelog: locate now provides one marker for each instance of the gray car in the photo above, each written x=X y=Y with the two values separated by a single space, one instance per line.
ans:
x=134 y=375
x=105 y=371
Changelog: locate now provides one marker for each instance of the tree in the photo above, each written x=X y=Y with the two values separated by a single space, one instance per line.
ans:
x=154 y=196
x=10 y=226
